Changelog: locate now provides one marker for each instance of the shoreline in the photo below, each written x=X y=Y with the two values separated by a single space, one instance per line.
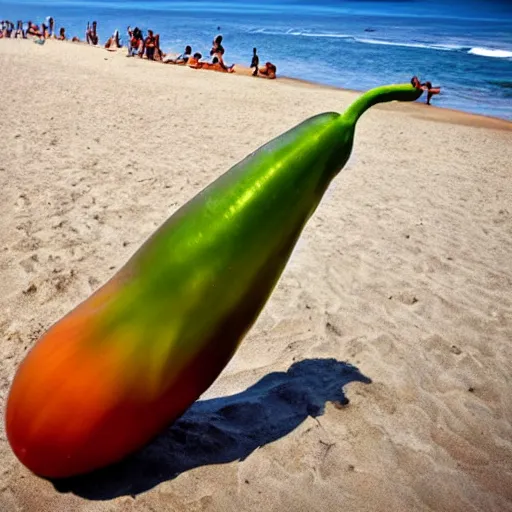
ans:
x=432 y=112
x=463 y=117
x=427 y=112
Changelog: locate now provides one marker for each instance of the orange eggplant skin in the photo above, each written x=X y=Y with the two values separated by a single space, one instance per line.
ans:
x=58 y=444
x=116 y=417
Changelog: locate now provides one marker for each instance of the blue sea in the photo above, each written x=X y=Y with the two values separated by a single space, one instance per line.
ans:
x=464 y=47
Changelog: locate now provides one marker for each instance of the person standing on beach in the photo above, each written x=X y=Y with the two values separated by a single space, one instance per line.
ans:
x=44 y=31
x=51 y=27
x=255 y=62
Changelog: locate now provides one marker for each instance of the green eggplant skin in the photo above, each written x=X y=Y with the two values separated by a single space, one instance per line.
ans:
x=216 y=261
x=218 y=258
x=129 y=360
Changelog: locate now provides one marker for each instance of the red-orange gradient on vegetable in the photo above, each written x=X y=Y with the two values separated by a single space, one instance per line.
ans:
x=133 y=357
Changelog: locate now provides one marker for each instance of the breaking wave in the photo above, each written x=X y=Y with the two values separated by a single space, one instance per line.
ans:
x=480 y=51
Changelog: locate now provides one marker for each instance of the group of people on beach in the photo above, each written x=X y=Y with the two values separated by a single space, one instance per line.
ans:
x=149 y=47
x=138 y=45
x=217 y=63
x=27 y=29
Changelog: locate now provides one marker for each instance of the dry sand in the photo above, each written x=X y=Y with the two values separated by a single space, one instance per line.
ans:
x=405 y=271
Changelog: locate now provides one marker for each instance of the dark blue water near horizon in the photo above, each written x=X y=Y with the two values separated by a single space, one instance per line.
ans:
x=464 y=47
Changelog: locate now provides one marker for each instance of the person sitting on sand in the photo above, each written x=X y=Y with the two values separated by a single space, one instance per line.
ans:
x=150 y=45
x=113 y=42
x=139 y=39
x=185 y=55
x=75 y=39
x=215 y=65
x=254 y=62
x=269 y=70
x=91 y=34
x=33 y=30
x=181 y=59
x=62 y=35
x=136 y=44
x=6 y=29
x=217 y=51
x=159 y=54
x=194 y=61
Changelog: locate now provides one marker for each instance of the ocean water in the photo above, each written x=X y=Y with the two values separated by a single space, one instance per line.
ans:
x=466 y=48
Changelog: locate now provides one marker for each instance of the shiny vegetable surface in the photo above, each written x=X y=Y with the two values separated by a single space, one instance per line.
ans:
x=126 y=362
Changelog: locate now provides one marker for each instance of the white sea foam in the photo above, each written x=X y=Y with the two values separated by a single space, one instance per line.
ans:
x=487 y=52
x=407 y=45
x=483 y=52
x=335 y=36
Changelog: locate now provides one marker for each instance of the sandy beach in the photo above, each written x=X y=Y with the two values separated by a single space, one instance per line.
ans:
x=398 y=296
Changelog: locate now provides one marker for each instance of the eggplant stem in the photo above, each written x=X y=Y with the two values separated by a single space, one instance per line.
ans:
x=385 y=93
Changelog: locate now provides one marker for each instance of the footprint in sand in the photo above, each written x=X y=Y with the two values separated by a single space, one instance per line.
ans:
x=333 y=329
x=30 y=290
x=61 y=282
x=22 y=202
x=36 y=333
x=407 y=298
x=93 y=282
x=28 y=264
x=27 y=244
